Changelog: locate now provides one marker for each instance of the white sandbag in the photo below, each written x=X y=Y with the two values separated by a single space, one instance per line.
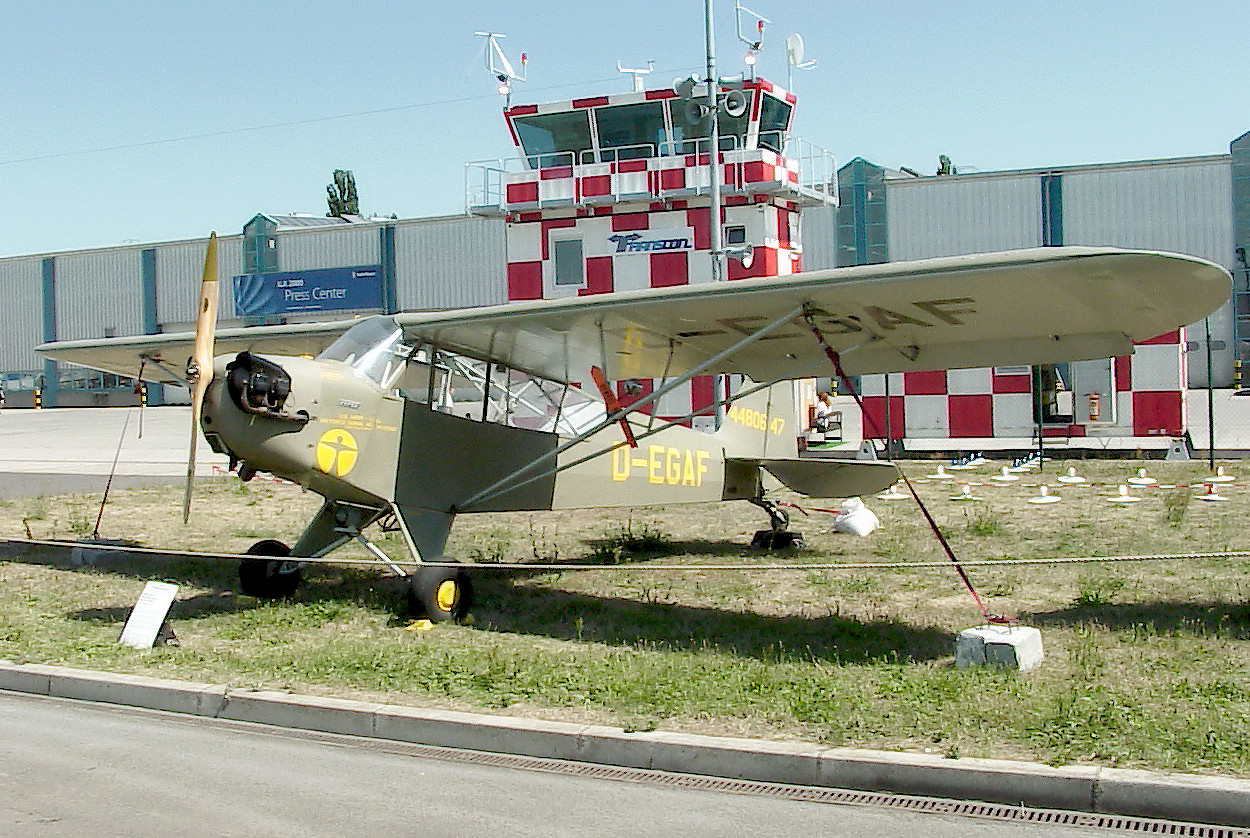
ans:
x=855 y=518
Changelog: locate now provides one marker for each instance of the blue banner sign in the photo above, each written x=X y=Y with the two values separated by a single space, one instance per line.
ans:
x=304 y=292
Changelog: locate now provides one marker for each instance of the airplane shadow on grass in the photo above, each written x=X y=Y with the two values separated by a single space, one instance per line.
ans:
x=167 y=567
x=722 y=548
x=189 y=608
x=506 y=607
x=564 y=615
x=1224 y=620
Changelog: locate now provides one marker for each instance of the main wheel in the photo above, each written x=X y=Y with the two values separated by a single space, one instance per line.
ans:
x=440 y=594
x=772 y=540
x=269 y=578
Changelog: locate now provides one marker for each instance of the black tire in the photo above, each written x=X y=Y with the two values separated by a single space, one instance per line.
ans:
x=784 y=540
x=440 y=594
x=267 y=578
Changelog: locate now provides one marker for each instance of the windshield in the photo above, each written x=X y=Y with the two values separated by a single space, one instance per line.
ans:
x=373 y=347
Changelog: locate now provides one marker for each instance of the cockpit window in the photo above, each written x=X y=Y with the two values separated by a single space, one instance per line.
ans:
x=373 y=347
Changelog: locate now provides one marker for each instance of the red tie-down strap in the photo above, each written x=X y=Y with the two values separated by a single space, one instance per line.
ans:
x=834 y=359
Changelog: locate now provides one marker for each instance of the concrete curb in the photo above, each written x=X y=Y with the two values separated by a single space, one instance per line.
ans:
x=1110 y=791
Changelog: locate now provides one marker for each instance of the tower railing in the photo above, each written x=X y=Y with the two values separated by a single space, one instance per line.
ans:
x=486 y=181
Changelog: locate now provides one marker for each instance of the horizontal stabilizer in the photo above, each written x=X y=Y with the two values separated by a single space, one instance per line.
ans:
x=822 y=478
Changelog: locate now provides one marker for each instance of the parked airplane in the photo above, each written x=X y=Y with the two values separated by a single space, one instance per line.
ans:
x=372 y=414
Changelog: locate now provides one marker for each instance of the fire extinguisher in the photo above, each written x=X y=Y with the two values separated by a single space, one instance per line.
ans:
x=1095 y=407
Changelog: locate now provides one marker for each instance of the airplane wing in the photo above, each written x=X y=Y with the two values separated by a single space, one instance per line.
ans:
x=164 y=356
x=993 y=309
x=1020 y=307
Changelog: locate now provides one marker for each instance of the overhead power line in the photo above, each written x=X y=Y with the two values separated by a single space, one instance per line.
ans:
x=294 y=123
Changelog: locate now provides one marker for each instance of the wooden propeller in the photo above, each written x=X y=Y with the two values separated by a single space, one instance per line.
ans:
x=200 y=364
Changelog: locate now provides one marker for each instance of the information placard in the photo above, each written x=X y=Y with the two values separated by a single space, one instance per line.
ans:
x=148 y=615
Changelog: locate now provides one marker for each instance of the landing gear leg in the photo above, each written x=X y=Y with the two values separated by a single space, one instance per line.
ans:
x=779 y=537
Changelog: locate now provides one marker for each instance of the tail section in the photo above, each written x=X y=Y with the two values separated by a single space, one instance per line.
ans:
x=762 y=424
x=760 y=436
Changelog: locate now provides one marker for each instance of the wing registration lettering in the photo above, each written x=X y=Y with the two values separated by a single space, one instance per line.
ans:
x=946 y=310
x=750 y=325
x=831 y=324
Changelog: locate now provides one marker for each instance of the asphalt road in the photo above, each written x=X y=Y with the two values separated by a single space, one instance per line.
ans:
x=74 y=449
x=72 y=768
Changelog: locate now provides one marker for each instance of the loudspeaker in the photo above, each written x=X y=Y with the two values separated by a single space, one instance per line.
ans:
x=735 y=103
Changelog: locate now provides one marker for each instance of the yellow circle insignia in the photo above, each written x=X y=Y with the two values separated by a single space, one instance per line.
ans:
x=337 y=452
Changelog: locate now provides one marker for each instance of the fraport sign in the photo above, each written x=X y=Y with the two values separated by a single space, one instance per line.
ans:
x=304 y=292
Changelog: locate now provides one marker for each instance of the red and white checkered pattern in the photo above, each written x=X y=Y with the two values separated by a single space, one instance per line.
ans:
x=986 y=403
x=747 y=172
x=770 y=228
x=666 y=196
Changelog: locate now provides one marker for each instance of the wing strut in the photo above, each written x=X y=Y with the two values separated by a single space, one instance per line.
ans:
x=836 y=360
x=655 y=395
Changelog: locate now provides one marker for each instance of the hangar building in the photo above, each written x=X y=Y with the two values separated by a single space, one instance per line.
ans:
x=1187 y=205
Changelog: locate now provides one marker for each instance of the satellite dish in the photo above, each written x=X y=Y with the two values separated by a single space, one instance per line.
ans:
x=735 y=103
x=794 y=49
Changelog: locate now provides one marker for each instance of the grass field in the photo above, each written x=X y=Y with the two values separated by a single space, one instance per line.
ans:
x=1146 y=662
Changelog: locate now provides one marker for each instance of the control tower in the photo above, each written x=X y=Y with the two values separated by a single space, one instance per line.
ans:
x=614 y=193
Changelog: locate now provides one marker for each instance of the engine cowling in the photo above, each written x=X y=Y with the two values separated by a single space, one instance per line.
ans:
x=260 y=386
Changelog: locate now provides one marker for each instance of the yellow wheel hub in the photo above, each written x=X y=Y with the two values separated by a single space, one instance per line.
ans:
x=447 y=595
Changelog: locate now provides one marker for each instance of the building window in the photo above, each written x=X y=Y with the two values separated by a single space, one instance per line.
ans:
x=553 y=139
x=628 y=132
x=774 y=121
x=570 y=268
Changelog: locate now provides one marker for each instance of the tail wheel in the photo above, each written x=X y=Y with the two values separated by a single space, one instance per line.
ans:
x=269 y=578
x=440 y=594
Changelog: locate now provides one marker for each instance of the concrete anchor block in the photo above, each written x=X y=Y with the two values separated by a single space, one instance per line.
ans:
x=1006 y=647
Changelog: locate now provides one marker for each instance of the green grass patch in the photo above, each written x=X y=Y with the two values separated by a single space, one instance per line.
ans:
x=1146 y=663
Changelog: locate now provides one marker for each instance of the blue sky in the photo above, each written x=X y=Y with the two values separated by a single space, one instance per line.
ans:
x=144 y=121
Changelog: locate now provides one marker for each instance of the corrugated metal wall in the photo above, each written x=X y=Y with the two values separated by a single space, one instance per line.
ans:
x=962 y=214
x=99 y=294
x=336 y=247
x=451 y=263
x=20 y=288
x=1184 y=207
x=818 y=233
x=179 y=270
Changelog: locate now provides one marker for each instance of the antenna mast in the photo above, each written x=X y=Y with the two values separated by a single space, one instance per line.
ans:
x=637 y=73
x=498 y=65
x=713 y=158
